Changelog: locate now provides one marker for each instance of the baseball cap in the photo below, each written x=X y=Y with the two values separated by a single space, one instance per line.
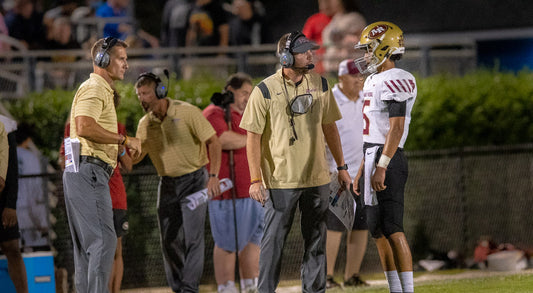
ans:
x=302 y=44
x=348 y=67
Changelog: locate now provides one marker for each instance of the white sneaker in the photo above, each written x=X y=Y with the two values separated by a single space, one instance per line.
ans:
x=229 y=289
x=251 y=289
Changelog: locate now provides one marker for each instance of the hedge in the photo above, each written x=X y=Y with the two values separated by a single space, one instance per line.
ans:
x=485 y=107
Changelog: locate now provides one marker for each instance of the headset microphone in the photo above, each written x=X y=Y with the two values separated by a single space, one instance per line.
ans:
x=308 y=66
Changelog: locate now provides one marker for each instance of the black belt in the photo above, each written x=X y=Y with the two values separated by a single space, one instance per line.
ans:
x=93 y=160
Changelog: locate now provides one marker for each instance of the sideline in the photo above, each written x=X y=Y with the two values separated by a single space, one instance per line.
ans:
x=423 y=278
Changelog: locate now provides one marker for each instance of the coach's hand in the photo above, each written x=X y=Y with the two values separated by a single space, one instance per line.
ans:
x=344 y=179
x=258 y=192
x=213 y=187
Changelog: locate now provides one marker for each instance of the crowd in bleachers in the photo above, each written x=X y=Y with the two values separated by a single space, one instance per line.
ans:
x=72 y=24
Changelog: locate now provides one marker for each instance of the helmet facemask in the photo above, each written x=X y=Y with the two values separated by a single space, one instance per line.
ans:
x=369 y=63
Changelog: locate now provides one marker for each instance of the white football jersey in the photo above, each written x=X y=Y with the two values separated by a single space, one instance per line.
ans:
x=393 y=84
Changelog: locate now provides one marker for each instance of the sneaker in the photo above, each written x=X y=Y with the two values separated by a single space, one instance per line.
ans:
x=251 y=289
x=228 y=288
x=330 y=283
x=355 y=281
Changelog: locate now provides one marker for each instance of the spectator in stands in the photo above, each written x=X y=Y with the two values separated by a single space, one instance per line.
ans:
x=124 y=30
x=60 y=38
x=85 y=33
x=340 y=35
x=175 y=21
x=26 y=24
x=32 y=204
x=247 y=25
x=347 y=93
x=9 y=230
x=208 y=24
x=248 y=219
x=64 y=8
x=315 y=24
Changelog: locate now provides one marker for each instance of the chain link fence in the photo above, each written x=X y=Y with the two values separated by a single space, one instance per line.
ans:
x=452 y=198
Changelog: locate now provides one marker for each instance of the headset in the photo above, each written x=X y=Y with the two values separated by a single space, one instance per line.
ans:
x=102 y=58
x=161 y=90
x=286 y=59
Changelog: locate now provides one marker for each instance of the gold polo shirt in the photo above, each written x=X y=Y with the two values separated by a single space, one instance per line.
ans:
x=176 y=145
x=303 y=163
x=94 y=99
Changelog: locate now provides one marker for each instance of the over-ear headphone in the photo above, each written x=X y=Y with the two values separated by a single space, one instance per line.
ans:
x=161 y=90
x=285 y=58
x=102 y=58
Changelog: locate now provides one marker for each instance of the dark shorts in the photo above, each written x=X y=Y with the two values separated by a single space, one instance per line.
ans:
x=120 y=218
x=386 y=218
x=10 y=233
x=334 y=224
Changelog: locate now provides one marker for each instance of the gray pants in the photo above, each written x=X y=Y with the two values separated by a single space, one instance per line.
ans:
x=90 y=216
x=280 y=209
x=182 y=230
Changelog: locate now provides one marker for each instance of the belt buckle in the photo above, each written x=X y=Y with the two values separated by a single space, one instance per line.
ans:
x=109 y=170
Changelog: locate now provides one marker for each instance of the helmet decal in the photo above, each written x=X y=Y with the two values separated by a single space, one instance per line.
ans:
x=378 y=31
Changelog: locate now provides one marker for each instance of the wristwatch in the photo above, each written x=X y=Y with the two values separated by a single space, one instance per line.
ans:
x=344 y=167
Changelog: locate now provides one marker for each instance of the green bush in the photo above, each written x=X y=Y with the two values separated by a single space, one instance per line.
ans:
x=482 y=108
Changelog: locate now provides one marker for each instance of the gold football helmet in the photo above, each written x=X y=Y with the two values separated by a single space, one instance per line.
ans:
x=383 y=39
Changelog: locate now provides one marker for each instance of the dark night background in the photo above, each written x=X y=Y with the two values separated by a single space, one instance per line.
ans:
x=414 y=16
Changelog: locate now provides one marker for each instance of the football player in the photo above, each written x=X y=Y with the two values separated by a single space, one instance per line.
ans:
x=389 y=94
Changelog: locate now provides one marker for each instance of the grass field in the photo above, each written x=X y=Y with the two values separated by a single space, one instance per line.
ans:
x=454 y=281
x=458 y=281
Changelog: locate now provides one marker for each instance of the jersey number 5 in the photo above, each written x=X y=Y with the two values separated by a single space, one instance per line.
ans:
x=365 y=118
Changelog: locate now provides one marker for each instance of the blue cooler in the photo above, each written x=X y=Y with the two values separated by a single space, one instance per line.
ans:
x=39 y=271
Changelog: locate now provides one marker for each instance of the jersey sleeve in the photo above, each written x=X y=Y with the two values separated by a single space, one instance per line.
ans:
x=398 y=86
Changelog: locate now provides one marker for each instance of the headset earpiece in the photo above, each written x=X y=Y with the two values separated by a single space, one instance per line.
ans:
x=286 y=59
x=102 y=58
x=161 y=90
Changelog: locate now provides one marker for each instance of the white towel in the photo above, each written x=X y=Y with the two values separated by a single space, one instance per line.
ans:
x=370 y=167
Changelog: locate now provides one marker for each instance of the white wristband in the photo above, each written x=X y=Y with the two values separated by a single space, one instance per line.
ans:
x=384 y=161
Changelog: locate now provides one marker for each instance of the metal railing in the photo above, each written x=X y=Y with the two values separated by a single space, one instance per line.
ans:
x=22 y=71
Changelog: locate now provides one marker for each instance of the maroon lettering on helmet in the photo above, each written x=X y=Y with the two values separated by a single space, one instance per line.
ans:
x=377 y=31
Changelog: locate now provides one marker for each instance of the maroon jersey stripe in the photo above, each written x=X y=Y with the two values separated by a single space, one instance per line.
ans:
x=401 y=85
x=394 y=84
x=390 y=88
